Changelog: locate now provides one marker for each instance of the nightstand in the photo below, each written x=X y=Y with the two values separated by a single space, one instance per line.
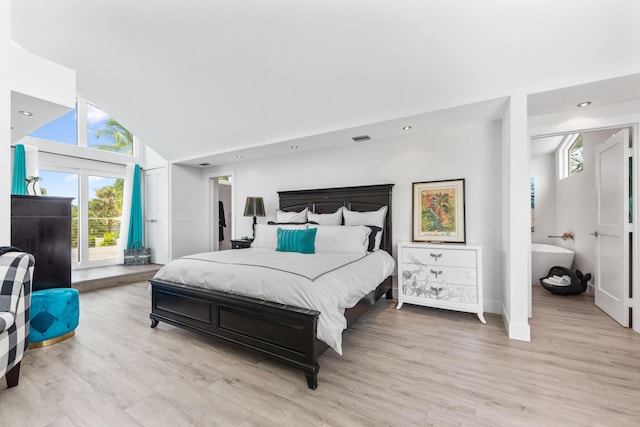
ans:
x=241 y=244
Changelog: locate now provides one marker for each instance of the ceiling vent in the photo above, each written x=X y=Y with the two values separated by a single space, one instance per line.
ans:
x=361 y=138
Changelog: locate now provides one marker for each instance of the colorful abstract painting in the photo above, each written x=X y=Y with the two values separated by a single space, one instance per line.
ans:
x=438 y=211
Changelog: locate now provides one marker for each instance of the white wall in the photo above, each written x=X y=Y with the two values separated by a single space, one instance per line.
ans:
x=543 y=169
x=470 y=151
x=516 y=223
x=40 y=78
x=5 y=122
x=189 y=224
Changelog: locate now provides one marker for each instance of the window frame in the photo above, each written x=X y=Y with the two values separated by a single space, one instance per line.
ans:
x=564 y=155
x=84 y=161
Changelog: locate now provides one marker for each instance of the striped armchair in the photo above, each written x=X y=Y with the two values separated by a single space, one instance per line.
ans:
x=16 y=273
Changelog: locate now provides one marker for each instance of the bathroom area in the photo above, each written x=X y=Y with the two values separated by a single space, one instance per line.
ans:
x=563 y=202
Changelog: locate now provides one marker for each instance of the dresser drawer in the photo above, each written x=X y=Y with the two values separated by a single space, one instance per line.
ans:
x=439 y=273
x=439 y=257
x=441 y=291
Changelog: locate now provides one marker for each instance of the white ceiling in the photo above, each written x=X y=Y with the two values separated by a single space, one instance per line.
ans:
x=205 y=81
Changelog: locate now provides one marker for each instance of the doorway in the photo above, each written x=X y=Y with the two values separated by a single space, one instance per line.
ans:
x=221 y=211
x=566 y=200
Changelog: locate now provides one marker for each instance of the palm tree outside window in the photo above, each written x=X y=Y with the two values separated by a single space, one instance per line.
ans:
x=575 y=157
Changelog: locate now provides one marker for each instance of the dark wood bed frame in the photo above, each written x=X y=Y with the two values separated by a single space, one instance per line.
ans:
x=283 y=332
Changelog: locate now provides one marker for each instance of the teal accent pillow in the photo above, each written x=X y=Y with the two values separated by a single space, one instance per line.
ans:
x=303 y=241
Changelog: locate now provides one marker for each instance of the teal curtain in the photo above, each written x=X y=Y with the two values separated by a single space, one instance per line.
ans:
x=134 y=238
x=19 y=185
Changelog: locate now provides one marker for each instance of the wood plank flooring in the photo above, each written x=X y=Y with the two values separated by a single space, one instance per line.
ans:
x=410 y=367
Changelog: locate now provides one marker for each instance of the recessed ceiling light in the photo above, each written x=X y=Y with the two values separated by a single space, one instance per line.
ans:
x=584 y=104
x=293 y=147
x=26 y=113
x=204 y=164
x=406 y=127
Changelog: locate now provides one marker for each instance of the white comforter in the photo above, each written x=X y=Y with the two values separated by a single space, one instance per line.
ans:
x=326 y=282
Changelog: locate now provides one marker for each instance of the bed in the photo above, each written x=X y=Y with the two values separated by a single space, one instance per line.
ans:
x=284 y=332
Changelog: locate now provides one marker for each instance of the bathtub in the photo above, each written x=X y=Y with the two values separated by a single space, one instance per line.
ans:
x=543 y=257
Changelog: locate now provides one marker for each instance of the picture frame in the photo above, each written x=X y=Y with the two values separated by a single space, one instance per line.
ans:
x=439 y=211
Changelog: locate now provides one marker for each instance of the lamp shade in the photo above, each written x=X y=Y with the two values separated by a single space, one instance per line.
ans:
x=254 y=207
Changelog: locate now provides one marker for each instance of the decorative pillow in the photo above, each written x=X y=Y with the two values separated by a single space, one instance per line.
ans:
x=326 y=219
x=302 y=241
x=299 y=217
x=367 y=218
x=372 y=237
x=267 y=235
x=338 y=238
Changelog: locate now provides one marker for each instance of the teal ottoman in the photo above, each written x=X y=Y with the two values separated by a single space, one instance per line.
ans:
x=54 y=316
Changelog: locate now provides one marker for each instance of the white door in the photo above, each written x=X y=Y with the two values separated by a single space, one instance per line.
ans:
x=612 y=227
x=156 y=205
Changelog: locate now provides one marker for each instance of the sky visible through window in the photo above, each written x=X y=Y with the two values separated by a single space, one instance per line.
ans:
x=66 y=184
x=64 y=128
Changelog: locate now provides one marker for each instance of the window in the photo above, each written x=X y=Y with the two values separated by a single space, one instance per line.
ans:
x=63 y=184
x=94 y=178
x=574 y=156
x=105 y=133
x=571 y=160
x=64 y=129
x=98 y=131
x=105 y=215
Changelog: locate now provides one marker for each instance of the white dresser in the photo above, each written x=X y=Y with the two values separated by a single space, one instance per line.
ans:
x=440 y=275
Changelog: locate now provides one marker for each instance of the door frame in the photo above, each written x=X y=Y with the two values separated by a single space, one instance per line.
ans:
x=608 y=123
x=212 y=203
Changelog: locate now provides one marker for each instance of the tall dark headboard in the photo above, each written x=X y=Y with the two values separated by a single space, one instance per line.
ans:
x=327 y=200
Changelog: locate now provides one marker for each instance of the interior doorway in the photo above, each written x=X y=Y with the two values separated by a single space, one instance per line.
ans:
x=567 y=203
x=222 y=211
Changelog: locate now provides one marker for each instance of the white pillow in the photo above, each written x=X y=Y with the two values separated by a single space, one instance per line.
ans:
x=267 y=235
x=326 y=219
x=367 y=218
x=282 y=216
x=337 y=238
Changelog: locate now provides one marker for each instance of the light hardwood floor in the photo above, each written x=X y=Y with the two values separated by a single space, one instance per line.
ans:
x=412 y=367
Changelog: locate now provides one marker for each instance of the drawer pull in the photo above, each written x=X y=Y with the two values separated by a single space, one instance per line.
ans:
x=436 y=272
x=436 y=290
x=435 y=256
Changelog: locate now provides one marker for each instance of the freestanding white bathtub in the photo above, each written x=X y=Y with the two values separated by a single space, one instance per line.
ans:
x=543 y=257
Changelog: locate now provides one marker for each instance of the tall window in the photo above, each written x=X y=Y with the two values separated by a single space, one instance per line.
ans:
x=94 y=179
x=570 y=155
x=574 y=156
x=63 y=184
x=105 y=215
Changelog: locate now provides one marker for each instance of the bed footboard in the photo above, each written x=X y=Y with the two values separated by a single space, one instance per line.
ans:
x=279 y=331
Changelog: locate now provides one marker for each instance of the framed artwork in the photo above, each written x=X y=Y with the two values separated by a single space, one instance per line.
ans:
x=438 y=211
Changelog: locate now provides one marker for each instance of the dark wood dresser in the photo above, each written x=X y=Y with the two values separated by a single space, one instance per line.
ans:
x=42 y=226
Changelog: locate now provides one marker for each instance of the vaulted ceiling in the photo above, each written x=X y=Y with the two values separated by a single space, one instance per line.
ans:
x=196 y=79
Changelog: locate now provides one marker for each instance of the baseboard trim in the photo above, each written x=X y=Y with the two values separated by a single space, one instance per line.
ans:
x=516 y=331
